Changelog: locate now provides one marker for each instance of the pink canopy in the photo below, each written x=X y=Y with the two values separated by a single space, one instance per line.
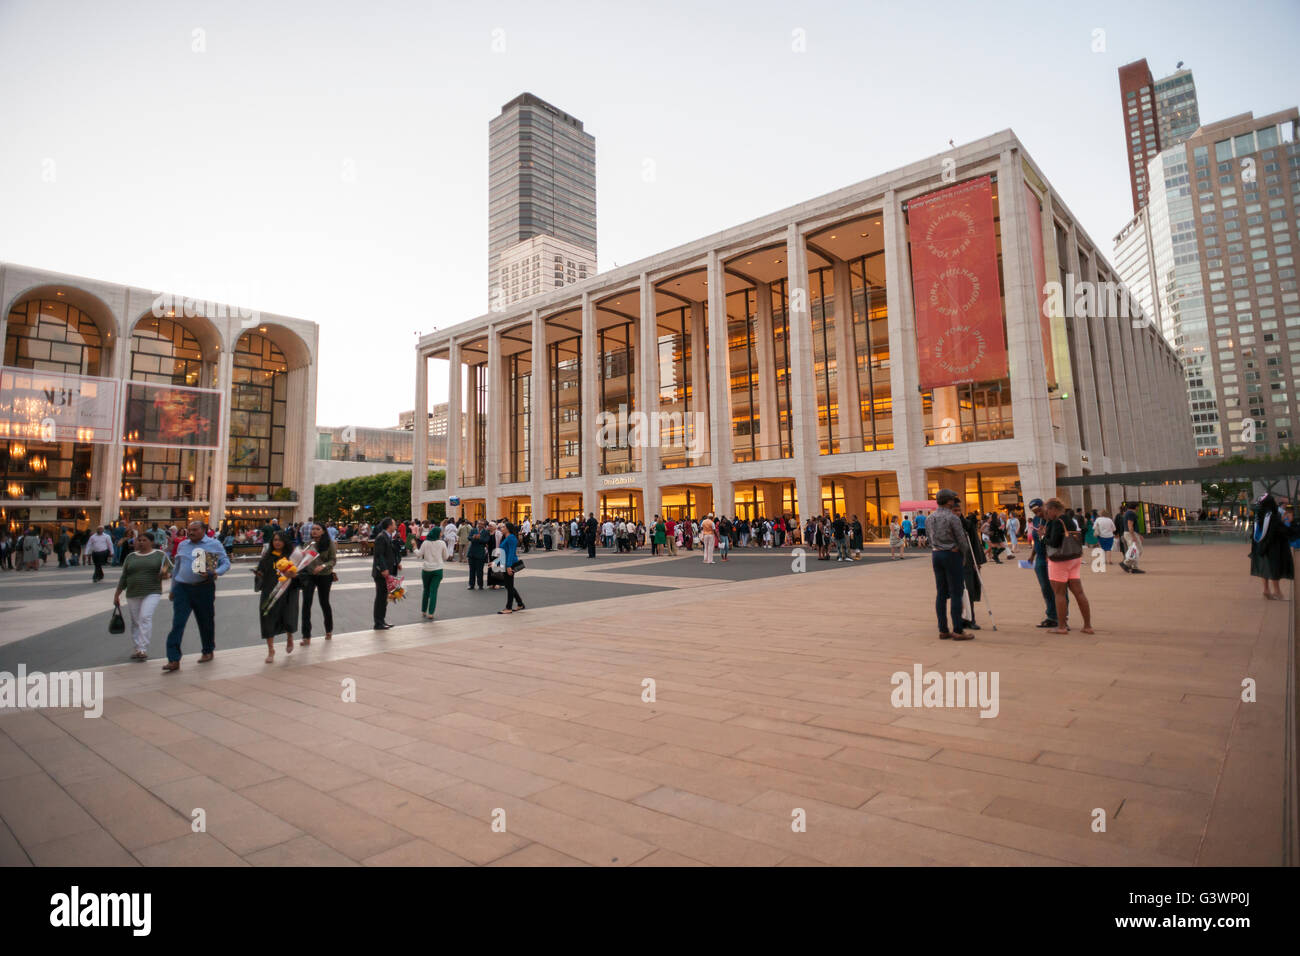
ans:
x=918 y=506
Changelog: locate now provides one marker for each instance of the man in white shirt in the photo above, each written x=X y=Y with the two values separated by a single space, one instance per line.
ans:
x=526 y=534
x=100 y=548
x=608 y=531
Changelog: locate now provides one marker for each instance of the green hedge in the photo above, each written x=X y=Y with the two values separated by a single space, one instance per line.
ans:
x=368 y=498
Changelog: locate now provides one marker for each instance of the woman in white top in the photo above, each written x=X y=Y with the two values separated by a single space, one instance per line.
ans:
x=433 y=553
x=1104 y=528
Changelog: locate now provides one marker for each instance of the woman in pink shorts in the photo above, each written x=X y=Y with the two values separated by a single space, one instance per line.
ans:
x=1064 y=543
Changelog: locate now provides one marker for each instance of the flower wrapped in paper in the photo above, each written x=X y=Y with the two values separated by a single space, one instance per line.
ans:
x=288 y=569
x=395 y=590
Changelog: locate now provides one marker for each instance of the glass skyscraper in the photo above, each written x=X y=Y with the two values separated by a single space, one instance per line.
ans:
x=542 y=182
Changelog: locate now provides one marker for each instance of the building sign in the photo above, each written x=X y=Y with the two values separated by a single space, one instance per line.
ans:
x=56 y=406
x=617 y=481
x=171 y=416
x=959 y=334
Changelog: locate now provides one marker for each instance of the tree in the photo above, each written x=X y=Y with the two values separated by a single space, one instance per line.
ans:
x=367 y=498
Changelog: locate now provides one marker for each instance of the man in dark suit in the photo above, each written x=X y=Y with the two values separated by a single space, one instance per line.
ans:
x=383 y=567
x=480 y=547
x=591 y=531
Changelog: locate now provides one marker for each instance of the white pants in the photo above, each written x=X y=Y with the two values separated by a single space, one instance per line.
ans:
x=708 y=549
x=142 y=609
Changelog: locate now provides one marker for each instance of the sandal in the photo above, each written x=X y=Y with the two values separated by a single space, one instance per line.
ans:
x=505 y=612
x=270 y=658
x=288 y=644
x=139 y=656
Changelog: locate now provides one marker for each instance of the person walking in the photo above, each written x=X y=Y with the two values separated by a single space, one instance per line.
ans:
x=433 y=555
x=725 y=529
x=1063 y=541
x=316 y=580
x=948 y=546
x=895 y=540
x=1104 y=528
x=480 y=544
x=281 y=615
x=383 y=566
x=199 y=561
x=463 y=532
x=708 y=535
x=100 y=548
x=31 y=545
x=1271 y=559
x=839 y=533
x=510 y=565
x=142 y=575
x=1132 y=540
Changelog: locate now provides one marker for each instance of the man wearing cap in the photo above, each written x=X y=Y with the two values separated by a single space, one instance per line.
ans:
x=1038 y=526
x=948 y=545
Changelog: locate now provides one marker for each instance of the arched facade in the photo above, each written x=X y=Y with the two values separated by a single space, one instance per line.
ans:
x=232 y=378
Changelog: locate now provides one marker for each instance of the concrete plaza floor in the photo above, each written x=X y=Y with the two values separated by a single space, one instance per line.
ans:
x=772 y=695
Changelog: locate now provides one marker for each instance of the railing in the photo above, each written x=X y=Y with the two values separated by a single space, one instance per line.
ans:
x=674 y=458
x=513 y=476
x=960 y=434
x=558 y=474
x=435 y=483
x=618 y=467
x=772 y=452
x=51 y=489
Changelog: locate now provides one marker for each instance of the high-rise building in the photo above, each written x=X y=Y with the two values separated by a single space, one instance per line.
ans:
x=1158 y=114
x=538 y=265
x=1215 y=251
x=1177 y=112
x=542 y=182
x=1137 y=98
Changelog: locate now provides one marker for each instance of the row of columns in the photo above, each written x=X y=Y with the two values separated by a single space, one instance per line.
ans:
x=1104 y=415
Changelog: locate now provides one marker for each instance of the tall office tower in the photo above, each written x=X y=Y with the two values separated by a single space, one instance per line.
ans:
x=1218 y=240
x=542 y=182
x=1157 y=114
x=1177 y=112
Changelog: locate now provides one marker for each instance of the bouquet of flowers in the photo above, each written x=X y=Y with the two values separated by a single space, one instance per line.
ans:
x=288 y=569
x=395 y=590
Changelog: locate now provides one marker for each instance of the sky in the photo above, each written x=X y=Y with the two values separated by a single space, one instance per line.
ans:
x=328 y=160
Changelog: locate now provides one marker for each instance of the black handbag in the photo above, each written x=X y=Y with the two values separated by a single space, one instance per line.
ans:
x=116 y=624
x=517 y=566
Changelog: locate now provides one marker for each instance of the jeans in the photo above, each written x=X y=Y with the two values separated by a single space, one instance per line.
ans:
x=429 y=593
x=200 y=599
x=142 y=609
x=316 y=584
x=381 y=599
x=949 y=587
x=842 y=546
x=1044 y=585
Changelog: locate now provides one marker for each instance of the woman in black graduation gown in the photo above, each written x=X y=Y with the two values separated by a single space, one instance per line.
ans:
x=282 y=616
x=1270 y=549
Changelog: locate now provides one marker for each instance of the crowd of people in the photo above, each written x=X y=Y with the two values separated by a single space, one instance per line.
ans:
x=288 y=585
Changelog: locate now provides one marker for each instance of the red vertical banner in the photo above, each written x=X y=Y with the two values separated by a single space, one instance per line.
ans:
x=1034 y=213
x=959 y=334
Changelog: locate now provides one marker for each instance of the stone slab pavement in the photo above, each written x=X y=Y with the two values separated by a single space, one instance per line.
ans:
x=772 y=704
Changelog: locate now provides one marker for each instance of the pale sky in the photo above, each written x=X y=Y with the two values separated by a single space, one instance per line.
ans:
x=328 y=160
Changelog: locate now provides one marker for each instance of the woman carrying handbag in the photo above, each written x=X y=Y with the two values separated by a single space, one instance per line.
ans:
x=1064 y=542
x=510 y=564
